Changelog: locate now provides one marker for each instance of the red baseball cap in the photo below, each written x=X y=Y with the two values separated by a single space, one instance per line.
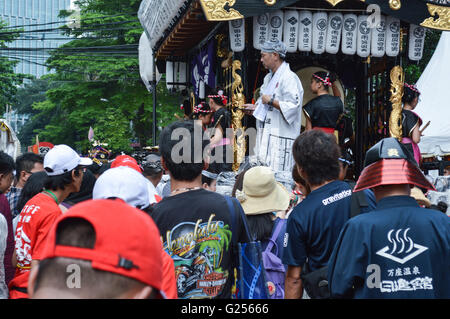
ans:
x=127 y=241
x=126 y=160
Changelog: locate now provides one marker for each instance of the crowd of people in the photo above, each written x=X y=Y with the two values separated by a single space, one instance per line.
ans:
x=156 y=226
x=123 y=234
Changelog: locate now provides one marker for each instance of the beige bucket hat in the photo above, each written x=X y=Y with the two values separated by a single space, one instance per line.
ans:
x=261 y=193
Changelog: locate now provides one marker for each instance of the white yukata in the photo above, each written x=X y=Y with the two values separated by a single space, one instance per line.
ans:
x=276 y=131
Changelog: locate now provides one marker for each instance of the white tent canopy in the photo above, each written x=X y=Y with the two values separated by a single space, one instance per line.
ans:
x=434 y=105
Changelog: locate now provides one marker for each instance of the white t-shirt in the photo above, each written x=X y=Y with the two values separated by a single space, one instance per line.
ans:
x=3 y=237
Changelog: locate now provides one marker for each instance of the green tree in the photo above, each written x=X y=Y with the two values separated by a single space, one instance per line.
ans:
x=97 y=82
x=9 y=81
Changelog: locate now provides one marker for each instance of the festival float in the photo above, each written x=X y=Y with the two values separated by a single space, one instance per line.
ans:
x=201 y=44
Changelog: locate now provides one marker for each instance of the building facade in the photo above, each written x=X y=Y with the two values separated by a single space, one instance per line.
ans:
x=40 y=16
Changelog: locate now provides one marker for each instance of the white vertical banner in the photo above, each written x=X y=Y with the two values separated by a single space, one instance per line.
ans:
x=276 y=25
x=349 y=33
x=305 y=28
x=182 y=77
x=320 y=23
x=378 y=46
x=260 y=30
x=201 y=90
x=416 y=42
x=169 y=74
x=392 y=36
x=334 y=32
x=237 y=35
x=364 y=37
x=290 y=30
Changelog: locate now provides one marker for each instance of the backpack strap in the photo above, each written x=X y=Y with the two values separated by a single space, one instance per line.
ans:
x=275 y=234
x=358 y=201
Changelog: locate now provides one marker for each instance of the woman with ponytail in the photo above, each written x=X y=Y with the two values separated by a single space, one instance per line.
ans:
x=220 y=142
x=411 y=121
x=324 y=111
x=203 y=113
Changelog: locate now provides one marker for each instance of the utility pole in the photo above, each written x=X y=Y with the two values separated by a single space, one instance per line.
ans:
x=154 y=102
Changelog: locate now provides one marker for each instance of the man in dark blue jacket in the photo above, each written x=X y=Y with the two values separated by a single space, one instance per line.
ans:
x=398 y=250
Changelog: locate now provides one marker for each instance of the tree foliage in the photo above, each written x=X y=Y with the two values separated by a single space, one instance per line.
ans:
x=9 y=81
x=97 y=83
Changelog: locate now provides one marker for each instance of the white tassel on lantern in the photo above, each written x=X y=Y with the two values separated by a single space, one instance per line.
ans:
x=392 y=36
x=276 y=25
x=260 y=30
x=169 y=75
x=305 y=31
x=237 y=35
x=182 y=78
x=349 y=33
x=334 y=32
x=320 y=23
x=378 y=46
x=290 y=31
x=416 y=42
x=364 y=37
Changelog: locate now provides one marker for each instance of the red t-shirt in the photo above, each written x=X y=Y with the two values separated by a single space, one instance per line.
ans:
x=35 y=221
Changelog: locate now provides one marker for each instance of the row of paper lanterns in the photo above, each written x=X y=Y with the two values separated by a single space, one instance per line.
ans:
x=322 y=32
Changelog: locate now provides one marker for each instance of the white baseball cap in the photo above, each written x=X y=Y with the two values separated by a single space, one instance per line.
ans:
x=61 y=159
x=127 y=184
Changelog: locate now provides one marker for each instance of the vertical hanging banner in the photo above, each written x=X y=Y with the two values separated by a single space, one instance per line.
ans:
x=305 y=31
x=276 y=25
x=349 y=34
x=364 y=37
x=237 y=35
x=182 y=78
x=334 y=32
x=260 y=30
x=290 y=31
x=378 y=46
x=320 y=23
x=416 y=42
x=392 y=36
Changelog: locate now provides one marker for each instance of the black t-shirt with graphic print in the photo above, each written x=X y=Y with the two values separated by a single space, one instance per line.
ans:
x=196 y=231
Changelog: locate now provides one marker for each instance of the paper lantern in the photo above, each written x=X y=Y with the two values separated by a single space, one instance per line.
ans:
x=146 y=60
x=182 y=75
x=276 y=25
x=169 y=75
x=260 y=30
x=319 y=38
x=392 y=36
x=364 y=37
x=349 y=33
x=237 y=35
x=334 y=32
x=290 y=30
x=305 y=28
x=378 y=46
x=416 y=42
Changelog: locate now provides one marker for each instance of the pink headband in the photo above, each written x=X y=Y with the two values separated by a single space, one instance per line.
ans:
x=326 y=82
x=198 y=109
x=412 y=87
x=220 y=95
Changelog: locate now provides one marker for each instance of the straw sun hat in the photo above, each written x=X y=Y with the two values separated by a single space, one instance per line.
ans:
x=261 y=193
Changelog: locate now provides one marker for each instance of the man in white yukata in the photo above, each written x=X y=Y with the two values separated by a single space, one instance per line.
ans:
x=278 y=110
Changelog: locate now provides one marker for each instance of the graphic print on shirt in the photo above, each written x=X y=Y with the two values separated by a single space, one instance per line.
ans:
x=409 y=277
x=22 y=240
x=403 y=248
x=197 y=250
